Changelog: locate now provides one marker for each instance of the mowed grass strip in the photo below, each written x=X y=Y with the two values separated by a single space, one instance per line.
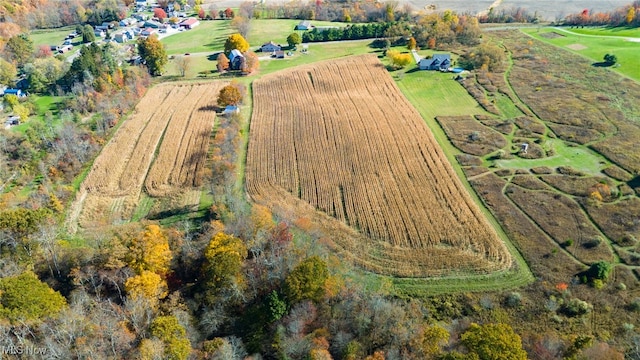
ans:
x=354 y=156
x=595 y=47
x=209 y=36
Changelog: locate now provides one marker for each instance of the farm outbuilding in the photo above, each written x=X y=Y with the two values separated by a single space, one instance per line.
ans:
x=304 y=25
x=189 y=23
x=235 y=59
x=230 y=109
x=437 y=62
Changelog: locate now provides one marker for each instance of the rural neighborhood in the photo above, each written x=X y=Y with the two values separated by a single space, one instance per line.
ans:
x=362 y=180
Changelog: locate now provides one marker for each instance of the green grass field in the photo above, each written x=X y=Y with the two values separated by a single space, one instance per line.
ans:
x=209 y=36
x=50 y=36
x=609 y=31
x=596 y=46
x=316 y=52
x=434 y=93
x=277 y=30
x=578 y=157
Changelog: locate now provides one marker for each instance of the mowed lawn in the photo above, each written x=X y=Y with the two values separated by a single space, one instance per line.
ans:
x=316 y=52
x=437 y=94
x=277 y=30
x=609 y=31
x=209 y=36
x=50 y=36
x=595 y=47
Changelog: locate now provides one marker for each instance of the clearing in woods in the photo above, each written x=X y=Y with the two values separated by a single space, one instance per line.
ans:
x=352 y=155
x=161 y=148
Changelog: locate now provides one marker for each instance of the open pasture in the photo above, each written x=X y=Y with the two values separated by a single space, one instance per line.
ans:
x=595 y=44
x=162 y=145
x=338 y=143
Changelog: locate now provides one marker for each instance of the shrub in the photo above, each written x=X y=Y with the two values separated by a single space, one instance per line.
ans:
x=576 y=307
x=599 y=270
x=514 y=299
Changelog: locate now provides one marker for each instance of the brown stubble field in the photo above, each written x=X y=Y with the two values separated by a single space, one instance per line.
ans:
x=352 y=155
x=562 y=218
x=161 y=149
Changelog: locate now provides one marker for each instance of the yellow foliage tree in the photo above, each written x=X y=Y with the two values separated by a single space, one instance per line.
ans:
x=631 y=14
x=150 y=349
x=147 y=285
x=236 y=41
x=411 y=44
x=173 y=335
x=398 y=60
x=229 y=95
x=224 y=257
x=494 y=342
x=431 y=340
x=262 y=218
x=150 y=251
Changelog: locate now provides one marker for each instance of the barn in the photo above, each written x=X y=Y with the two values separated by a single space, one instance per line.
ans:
x=235 y=59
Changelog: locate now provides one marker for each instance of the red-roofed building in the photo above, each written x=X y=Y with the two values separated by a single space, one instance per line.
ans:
x=189 y=23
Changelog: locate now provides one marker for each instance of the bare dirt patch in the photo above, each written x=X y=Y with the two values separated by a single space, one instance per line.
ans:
x=577 y=47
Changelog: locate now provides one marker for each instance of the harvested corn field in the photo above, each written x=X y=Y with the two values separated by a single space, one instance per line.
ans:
x=162 y=145
x=337 y=143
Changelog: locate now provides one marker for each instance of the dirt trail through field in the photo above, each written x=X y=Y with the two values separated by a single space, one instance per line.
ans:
x=492 y=6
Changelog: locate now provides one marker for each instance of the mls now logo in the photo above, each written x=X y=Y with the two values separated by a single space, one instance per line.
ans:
x=22 y=350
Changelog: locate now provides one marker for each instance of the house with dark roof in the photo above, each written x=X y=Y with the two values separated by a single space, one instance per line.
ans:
x=235 y=59
x=436 y=62
x=16 y=92
x=270 y=47
x=303 y=25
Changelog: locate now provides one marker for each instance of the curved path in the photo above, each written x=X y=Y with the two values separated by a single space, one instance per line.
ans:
x=633 y=39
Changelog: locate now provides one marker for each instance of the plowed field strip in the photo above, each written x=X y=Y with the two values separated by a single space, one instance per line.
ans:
x=353 y=148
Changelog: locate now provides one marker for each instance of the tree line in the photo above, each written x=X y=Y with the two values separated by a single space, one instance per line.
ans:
x=628 y=15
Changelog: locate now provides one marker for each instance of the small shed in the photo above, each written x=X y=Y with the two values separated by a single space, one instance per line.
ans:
x=303 y=25
x=279 y=54
x=230 y=109
x=235 y=59
x=437 y=62
x=189 y=23
x=270 y=47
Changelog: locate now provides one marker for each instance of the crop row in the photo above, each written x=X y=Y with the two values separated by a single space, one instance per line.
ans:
x=352 y=147
x=183 y=151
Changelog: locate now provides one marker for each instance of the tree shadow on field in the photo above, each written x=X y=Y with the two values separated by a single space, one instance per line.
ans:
x=213 y=108
x=602 y=64
x=214 y=56
x=183 y=210
x=634 y=183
